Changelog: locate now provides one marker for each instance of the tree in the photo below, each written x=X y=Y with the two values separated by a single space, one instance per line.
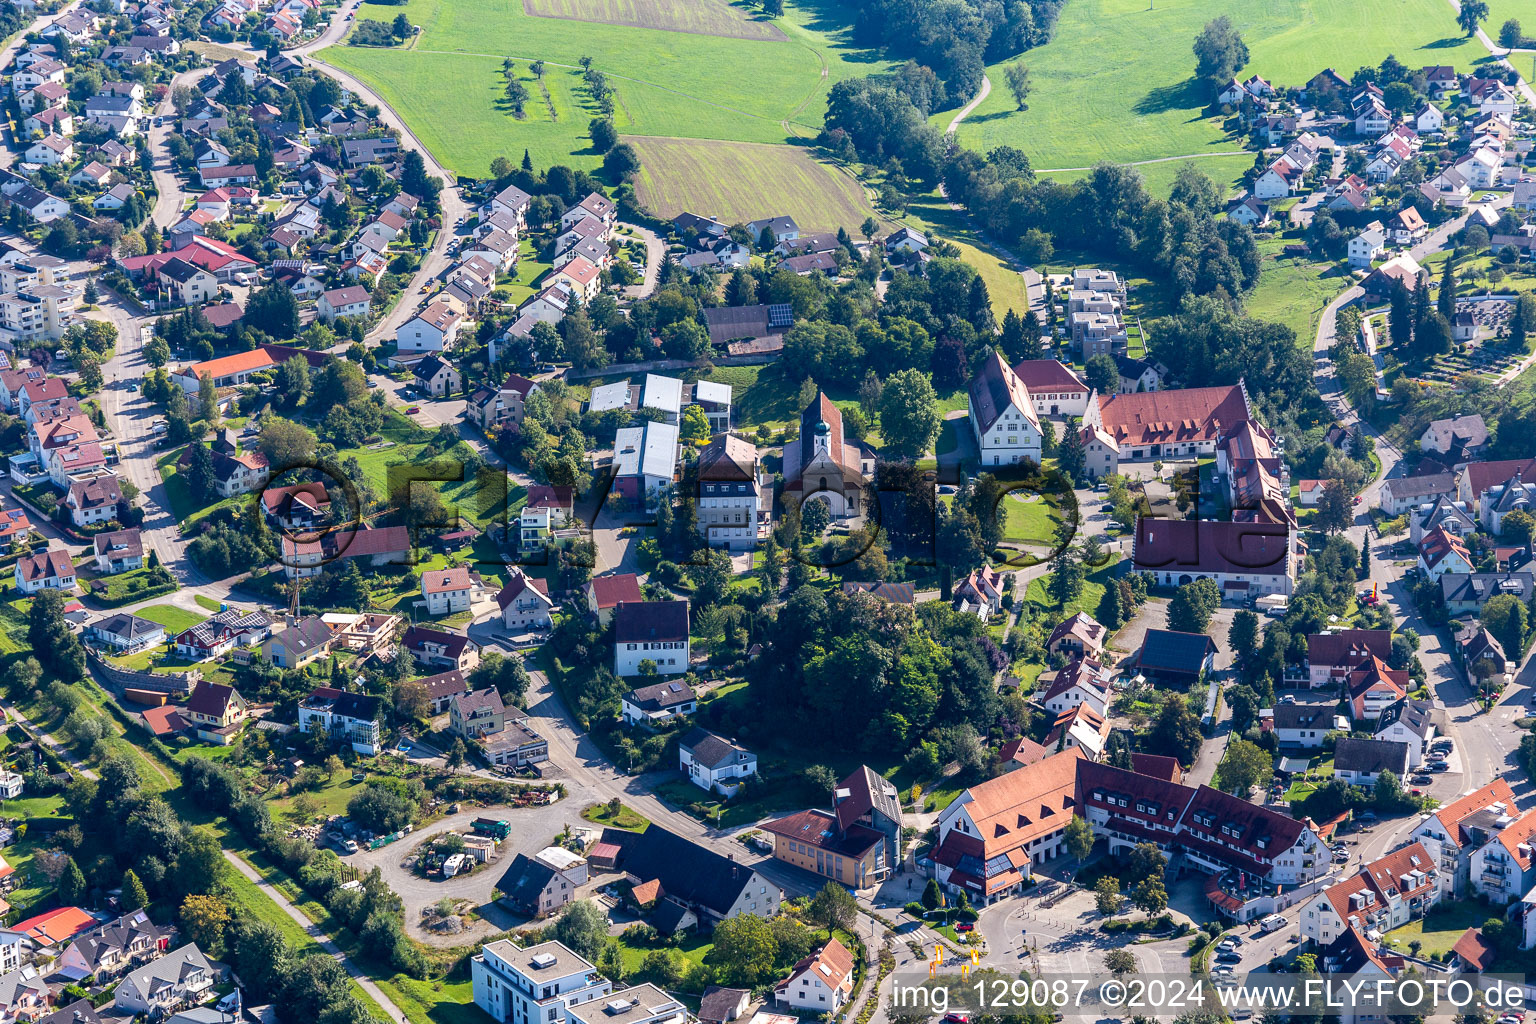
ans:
x=603 y=134
x=1120 y=962
x=274 y=309
x=1018 y=83
x=1400 y=316
x=1151 y=896
x=1192 y=606
x=1176 y=731
x=205 y=918
x=1243 y=636
x=1079 y=838
x=401 y=26
x=745 y=950
x=72 y=884
x=583 y=927
x=157 y=353
x=1510 y=35
x=1522 y=322
x=1472 y=14
x=909 y=415
x=1068 y=574
x=507 y=674
x=1071 y=455
x=1508 y=620
x=621 y=162
x=54 y=644
x=199 y=473
x=932 y=895
x=1244 y=766
x=1102 y=374
x=133 y=896
x=1335 y=511
x=207 y=400
x=833 y=907
x=1445 y=301
x=1434 y=338
x=1106 y=896
x=1220 y=53
x=286 y=444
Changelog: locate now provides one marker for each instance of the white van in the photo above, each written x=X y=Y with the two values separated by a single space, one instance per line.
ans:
x=1271 y=923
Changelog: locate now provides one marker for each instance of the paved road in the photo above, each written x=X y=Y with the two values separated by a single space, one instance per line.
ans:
x=313 y=930
x=170 y=195
x=965 y=111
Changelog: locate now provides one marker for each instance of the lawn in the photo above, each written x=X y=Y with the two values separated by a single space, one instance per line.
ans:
x=1087 y=600
x=184 y=507
x=733 y=180
x=705 y=17
x=628 y=818
x=208 y=603
x=172 y=618
x=1116 y=80
x=668 y=83
x=1005 y=285
x=1032 y=522
x=524 y=284
x=1441 y=927
x=1294 y=291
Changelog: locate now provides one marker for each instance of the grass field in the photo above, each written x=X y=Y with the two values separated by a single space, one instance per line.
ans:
x=738 y=182
x=1441 y=927
x=1224 y=170
x=1004 y=284
x=1116 y=82
x=704 y=17
x=1294 y=291
x=172 y=618
x=669 y=83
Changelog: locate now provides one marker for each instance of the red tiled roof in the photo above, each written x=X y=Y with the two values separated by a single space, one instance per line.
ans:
x=610 y=590
x=1160 y=417
x=1048 y=375
x=1452 y=814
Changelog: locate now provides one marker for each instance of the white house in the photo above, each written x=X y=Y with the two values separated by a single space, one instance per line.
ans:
x=449 y=590
x=658 y=702
x=1002 y=416
x=1428 y=118
x=50 y=151
x=1384 y=894
x=650 y=631
x=525 y=603
x=713 y=762
x=526 y=985
x=820 y=983
x=1368 y=245
x=46 y=570
x=179 y=977
x=1503 y=870
x=1406 y=721
x=434 y=329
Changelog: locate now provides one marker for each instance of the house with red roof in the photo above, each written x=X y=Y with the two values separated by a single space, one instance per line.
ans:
x=1464 y=826
x=605 y=593
x=45 y=570
x=1384 y=894
x=1149 y=425
x=525 y=602
x=55 y=929
x=1441 y=552
x=1053 y=388
x=1334 y=655
x=820 y=983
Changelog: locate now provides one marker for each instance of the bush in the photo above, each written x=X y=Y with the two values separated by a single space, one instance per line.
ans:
x=915 y=909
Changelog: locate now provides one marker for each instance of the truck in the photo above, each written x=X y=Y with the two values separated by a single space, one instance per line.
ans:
x=496 y=828
x=1274 y=922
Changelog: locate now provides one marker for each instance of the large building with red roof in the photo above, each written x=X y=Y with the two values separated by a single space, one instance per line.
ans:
x=1463 y=826
x=1150 y=425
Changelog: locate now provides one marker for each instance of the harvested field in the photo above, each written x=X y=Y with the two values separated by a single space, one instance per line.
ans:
x=700 y=17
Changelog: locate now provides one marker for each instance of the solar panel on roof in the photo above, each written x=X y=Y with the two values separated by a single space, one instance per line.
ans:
x=781 y=315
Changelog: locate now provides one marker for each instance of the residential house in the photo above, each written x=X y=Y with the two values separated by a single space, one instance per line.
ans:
x=1372 y=687
x=438 y=377
x=297 y=644
x=1399 y=494
x=1482 y=657
x=1003 y=416
x=981 y=592
x=443 y=687
x=1245 y=559
x=606 y=593
x=45 y=570
x=353 y=300
x=545 y=510
x=650 y=631
x=1406 y=721
x=1463 y=826
x=1442 y=514
x=113 y=947
x=450 y=590
x=658 y=703
x=125 y=633
x=499 y=732
x=179 y=978
x=1383 y=895
x=1302 y=726
x=436 y=648
x=1367 y=246
x=533 y=888
x=351 y=718
x=1360 y=762
x=525 y=603
x=118 y=551
x=1514 y=495
x=1503 y=870
x=709 y=886
x=1462 y=434
x=434 y=329
x=1441 y=552
x=1466 y=593
x=216 y=710
x=222 y=632
x=1082 y=681
x=1079 y=634
x=714 y=763
x=820 y=983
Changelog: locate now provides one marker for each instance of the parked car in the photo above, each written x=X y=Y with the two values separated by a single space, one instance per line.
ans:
x=1439 y=766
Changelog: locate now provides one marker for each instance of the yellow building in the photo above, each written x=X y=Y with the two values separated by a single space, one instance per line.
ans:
x=812 y=840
